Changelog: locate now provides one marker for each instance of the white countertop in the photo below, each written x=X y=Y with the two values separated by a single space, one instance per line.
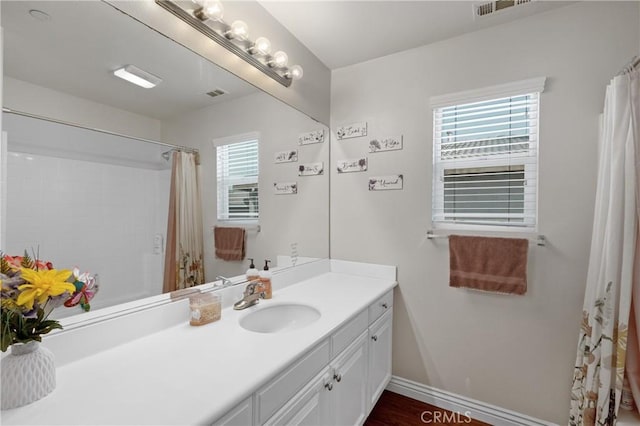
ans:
x=194 y=375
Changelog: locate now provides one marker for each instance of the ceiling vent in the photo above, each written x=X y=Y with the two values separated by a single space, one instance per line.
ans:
x=490 y=7
x=216 y=92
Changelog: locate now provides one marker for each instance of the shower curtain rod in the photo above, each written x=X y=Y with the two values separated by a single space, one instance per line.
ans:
x=108 y=132
x=633 y=64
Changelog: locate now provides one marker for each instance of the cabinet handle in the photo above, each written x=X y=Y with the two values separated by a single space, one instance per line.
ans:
x=374 y=338
x=337 y=377
x=384 y=305
x=329 y=385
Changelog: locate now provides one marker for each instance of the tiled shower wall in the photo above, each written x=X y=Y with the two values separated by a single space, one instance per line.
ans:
x=97 y=216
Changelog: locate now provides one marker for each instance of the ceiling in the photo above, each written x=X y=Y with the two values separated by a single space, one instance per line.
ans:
x=76 y=50
x=342 y=33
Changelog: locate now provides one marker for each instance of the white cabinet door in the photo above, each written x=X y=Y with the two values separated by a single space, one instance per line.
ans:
x=349 y=393
x=309 y=407
x=240 y=415
x=289 y=383
x=379 y=357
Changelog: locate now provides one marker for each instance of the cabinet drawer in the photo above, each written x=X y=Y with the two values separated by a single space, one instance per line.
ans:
x=348 y=333
x=380 y=306
x=275 y=394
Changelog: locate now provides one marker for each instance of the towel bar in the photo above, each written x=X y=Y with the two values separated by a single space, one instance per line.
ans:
x=539 y=240
x=256 y=228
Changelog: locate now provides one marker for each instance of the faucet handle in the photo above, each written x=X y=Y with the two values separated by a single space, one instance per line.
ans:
x=252 y=295
x=251 y=288
x=226 y=282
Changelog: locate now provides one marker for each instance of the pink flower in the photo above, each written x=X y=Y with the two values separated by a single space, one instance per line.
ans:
x=15 y=262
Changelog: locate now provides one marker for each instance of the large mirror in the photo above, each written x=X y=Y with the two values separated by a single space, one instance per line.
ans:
x=88 y=156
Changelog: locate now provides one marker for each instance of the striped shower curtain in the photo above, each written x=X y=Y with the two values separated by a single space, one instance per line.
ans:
x=602 y=344
x=183 y=266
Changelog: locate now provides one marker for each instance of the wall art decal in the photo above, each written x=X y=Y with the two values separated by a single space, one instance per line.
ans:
x=383 y=183
x=386 y=144
x=286 y=156
x=311 y=169
x=353 y=165
x=316 y=136
x=353 y=130
x=284 y=188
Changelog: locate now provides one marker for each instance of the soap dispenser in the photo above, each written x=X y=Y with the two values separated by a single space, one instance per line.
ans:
x=252 y=273
x=265 y=280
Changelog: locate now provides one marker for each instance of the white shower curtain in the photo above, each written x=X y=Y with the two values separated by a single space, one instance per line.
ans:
x=602 y=345
x=184 y=257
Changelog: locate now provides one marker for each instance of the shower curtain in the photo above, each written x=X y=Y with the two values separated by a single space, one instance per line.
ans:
x=602 y=344
x=183 y=266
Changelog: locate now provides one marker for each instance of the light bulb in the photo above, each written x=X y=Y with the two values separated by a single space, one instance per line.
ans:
x=210 y=9
x=279 y=59
x=262 y=46
x=239 y=31
x=295 y=72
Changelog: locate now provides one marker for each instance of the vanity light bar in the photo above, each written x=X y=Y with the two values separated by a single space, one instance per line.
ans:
x=271 y=71
x=139 y=77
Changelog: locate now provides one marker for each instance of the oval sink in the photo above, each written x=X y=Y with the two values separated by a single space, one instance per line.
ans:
x=279 y=318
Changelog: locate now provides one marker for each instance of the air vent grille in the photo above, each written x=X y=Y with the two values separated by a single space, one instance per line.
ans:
x=484 y=9
x=487 y=8
x=216 y=92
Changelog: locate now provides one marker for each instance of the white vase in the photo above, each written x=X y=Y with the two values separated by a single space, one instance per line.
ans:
x=28 y=374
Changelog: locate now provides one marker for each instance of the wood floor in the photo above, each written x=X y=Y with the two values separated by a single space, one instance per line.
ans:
x=393 y=409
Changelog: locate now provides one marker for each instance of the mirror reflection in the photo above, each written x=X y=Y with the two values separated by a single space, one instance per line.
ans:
x=87 y=186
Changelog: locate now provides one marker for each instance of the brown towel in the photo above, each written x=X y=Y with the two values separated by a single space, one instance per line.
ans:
x=489 y=264
x=229 y=243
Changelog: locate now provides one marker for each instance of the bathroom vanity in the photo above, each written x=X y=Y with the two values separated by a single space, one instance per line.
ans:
x=319 y=352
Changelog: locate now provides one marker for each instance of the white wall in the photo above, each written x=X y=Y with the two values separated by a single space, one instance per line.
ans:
x=510 y=351
x=92 y=206
x=284 y=219
x=309 y=95
x=27 y=97
x=99 y=217
x=3 y=161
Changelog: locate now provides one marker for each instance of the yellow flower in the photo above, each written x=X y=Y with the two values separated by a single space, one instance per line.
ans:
x=9 y=304
x=41 y=285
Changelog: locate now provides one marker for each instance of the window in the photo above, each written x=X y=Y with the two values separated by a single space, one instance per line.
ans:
x=485 y=156
x=237 y=174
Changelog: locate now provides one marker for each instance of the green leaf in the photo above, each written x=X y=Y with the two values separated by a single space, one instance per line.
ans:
x=27 y=261
x=4 y=265
x=18 y=329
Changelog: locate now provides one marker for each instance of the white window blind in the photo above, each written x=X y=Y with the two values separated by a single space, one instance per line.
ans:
x=237 y=175
x=485 y=160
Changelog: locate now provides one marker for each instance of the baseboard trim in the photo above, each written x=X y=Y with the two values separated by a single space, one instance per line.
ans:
x=478 y=410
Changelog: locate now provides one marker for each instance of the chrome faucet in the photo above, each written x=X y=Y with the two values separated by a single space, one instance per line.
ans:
x=251 y=296
x=226 y=282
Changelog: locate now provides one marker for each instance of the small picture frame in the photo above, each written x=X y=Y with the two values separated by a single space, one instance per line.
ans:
x=290 y=156
x=311 y=169
x=285 y=188
x=308 y=138
x=392 y=143
x=353 y=130
x=353 y=165
x=385 y=183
